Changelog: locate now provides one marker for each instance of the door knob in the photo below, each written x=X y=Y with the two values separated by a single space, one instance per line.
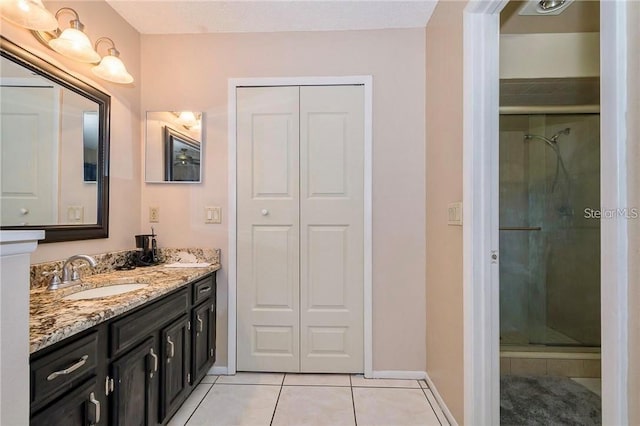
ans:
x=264 y=212
x=24 y=211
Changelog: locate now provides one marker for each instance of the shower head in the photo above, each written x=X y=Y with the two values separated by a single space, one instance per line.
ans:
x=564 y=131
x=552 y=140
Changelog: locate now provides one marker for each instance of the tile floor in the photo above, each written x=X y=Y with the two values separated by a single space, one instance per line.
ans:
x=255 y=399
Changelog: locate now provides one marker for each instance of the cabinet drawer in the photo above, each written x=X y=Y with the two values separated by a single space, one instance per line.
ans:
x=56 y=371
x=126 y=332
x=203 y=289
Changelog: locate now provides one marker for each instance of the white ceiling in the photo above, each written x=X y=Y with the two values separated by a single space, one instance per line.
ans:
x=213 y=16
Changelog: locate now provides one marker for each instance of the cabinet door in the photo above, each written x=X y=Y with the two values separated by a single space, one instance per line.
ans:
x=204 y=338
x=134 y=399
x=174 y=350
x=79 y=407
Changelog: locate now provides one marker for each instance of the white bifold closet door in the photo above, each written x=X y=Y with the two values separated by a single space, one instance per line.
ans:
x=300 y=204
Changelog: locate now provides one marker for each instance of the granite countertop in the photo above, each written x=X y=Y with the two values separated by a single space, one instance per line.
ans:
x=53 y=319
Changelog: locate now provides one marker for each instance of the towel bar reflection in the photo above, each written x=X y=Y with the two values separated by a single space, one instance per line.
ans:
x=521 y=228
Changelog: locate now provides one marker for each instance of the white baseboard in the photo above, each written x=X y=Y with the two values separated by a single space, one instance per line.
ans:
x=441 y=402
x=218 y=370
x=398 y=374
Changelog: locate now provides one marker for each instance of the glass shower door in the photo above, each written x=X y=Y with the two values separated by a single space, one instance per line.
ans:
x=550 y=252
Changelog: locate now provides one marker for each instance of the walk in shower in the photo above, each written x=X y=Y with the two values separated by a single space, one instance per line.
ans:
x=549 y=236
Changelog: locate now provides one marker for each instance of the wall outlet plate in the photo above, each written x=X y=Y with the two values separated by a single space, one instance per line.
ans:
x=212 y=215
x=154 y=214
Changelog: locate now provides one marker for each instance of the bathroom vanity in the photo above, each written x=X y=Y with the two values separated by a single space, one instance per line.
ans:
x=125 y=359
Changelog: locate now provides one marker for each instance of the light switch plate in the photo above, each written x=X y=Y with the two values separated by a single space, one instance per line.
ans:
x=75 y=214
x=212 y=215
x=455 y=214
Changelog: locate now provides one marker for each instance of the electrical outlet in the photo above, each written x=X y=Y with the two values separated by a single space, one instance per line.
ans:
x=154 y=214
x=212 y=215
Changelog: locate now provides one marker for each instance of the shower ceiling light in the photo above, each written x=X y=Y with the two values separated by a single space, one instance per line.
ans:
x=544 y=7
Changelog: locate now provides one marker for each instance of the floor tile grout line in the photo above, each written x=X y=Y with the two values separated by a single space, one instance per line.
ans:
x=199 y=403
x=249 y=384
x=353 y=402
x=432 y=409
x=273 y=416
x=385 y=387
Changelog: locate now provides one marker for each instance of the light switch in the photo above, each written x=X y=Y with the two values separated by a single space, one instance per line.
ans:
x=212 y=215
x=75 y=214
x=454 y=214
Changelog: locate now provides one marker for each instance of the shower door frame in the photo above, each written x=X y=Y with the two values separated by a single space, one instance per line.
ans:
x=480 y=214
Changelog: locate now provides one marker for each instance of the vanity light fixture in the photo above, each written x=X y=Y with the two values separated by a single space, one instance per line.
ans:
x=111 y=67
x=29 y=14
x=188 y=119
x=73 y=42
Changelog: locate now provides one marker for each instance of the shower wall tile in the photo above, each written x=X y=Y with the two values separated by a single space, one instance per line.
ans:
x=565 y=367
x=592 y=368
x=529 y=366
x=505 y=366
x=587 y=368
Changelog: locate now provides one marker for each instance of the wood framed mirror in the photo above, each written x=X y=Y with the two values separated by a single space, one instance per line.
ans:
x=54 y=148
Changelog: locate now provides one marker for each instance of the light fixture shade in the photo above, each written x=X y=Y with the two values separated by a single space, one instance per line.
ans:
x=187 y=118
x=28 y=14
x=75 y=44
x=112 y=69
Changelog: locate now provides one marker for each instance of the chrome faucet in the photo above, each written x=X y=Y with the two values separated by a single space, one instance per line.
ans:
x=70 y=274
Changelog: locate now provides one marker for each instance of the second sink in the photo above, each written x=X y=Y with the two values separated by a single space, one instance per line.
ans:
x=110 y=290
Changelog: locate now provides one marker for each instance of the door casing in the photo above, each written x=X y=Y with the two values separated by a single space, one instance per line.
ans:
x=480 y=198
x=233 y=84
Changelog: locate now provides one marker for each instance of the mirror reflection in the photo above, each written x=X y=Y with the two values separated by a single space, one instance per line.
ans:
x=173 y=149
x=48 y=149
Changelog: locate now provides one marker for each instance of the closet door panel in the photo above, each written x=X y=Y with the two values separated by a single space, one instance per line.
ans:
x=268 y=229
x=331 y=228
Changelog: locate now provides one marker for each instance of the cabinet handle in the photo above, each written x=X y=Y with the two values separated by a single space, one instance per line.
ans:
x=96 y=404
x=108 y=386
x=82 y=361
x=172 y=348
x=155 y=362
x=205 y=289
x=200 y=324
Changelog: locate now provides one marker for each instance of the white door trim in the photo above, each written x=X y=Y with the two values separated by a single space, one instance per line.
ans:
x=480 y=212
x=367 y=82
x=480 y=197
x=613 y=232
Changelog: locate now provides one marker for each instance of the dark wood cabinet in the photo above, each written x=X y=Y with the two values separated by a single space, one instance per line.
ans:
x=135 y=375
x=175 y=372
x=204 y=337
x=135 y=369
x=80 y=407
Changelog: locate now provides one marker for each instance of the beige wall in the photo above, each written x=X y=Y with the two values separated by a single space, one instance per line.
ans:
x=634 y=201
x=101 y=20
x=557 y=55
x=191 y=72
x=444 y=185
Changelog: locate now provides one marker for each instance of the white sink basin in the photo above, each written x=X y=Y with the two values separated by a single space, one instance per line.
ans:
x=110 y=290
